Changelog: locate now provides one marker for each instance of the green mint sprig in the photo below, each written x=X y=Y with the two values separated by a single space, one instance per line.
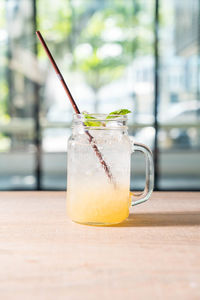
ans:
x=116 y=113
x=93 y=122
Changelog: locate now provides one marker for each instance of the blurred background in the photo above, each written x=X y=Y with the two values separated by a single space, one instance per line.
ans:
x=143 y=55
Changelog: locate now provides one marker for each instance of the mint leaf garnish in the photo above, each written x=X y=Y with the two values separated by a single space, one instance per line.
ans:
x=92 y=120
x=117 y=113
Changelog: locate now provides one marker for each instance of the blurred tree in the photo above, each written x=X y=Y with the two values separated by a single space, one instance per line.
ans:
x=3 y=63
x=101 y=36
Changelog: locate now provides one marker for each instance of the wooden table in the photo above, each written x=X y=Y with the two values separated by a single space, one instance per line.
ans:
x=155 y=254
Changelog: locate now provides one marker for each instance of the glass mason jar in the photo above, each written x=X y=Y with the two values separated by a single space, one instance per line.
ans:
x=98 y=170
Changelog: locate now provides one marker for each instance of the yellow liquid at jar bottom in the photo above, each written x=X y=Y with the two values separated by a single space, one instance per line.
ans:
x=98 y=206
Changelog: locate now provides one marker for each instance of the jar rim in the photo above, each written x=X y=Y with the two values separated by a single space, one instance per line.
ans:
x=100 y=117
x=99 y=121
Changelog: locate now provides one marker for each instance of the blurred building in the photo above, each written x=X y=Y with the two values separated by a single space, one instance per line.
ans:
x=187 y=38
x=187 y=28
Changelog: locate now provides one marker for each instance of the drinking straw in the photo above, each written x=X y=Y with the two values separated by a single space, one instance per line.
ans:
x=75 y=107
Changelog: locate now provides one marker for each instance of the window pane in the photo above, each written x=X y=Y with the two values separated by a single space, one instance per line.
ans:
x=104 y=49
x=18 y=80
x=179 y=107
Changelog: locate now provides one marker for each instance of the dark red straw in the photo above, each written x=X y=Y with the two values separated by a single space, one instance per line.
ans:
x=60 y=77
x=75 y=107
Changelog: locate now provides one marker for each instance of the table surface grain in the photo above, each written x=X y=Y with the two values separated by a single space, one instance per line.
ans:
x=155 y=254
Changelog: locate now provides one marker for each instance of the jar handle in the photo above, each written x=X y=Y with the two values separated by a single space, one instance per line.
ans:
x=144 y=196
